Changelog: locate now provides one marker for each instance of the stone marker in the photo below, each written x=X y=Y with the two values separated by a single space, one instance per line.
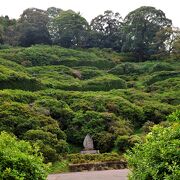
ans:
x=88 y=143
x=89 y=146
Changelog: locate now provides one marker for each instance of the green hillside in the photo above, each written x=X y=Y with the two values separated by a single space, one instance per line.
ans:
x=54 y=96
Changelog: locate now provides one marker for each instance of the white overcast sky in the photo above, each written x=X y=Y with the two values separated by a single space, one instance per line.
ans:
x=91 y=8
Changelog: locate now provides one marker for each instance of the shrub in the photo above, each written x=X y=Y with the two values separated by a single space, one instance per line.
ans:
x=160 y=76
x=104 y=83
x=89 y=158
x=158 y=157
x=104 y=141
x=147 y=126
x=50 y=146
x=15 y=79
x=155 y=111
x=124 y=68
x=174 y=117
x=122 y=143
x=20 y=160
x=162 y=67
x=171 y=84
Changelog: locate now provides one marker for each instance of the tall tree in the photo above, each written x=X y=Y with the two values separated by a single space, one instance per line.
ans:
x=33 y=27
x=176 y=44
x=52 y=13
x=141 y=30
x=72 y=29
x=7 y=30
x=108 y=27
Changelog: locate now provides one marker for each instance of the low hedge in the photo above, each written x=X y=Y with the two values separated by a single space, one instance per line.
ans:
x=90 y=158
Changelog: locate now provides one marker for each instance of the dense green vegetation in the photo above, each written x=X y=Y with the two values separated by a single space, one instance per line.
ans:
x=57 y=104
x=145 y=33
x=158 y=156
x=20 y=160
x=90 y=158
x=62 y=78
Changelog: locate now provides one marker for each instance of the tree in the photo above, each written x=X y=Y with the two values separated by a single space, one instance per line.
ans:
x=145 y=32
x=1 y=34
x=158 y=157
x=32 y=27
x=108 y=29
x=52 y=13
x=72 y=29
x=20 y=160
x=34 y=16
x=30 y=34
x=176 y=45
x=7 y=30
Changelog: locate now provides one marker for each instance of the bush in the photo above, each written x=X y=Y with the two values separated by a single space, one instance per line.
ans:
x=124 y=68
x=174 y=117
x=158 y=157
x=91 y=158
x=122 y=143
x=147 y=126
x=15 y=79
x=104 y=83
x=162 y=67
x=51 y=147
x=156 y=112
x=160 y=76
x=19 y=160
x=104 y=141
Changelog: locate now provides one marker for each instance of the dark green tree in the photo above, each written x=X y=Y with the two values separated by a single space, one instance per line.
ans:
x=176 y=45
x=32 y=27
x=72 y=29
x=52 y=13
x=145 y=32
x=7 y=30
x=107 y=30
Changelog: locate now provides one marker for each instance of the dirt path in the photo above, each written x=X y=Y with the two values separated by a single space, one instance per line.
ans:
x=92 y=175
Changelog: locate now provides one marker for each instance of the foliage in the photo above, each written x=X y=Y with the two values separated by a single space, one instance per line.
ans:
x=122 y=143
x=59 y=167
x=162 y=76
x=54 y=96
x=20 y=160
x=174 y=117
x=32 y=123
x=158 y=156
x=147 y=126
x=32 y=27
x=106 y=29
x=88 y=158
x=71 y=28
x=47 y=55
x=144 y=32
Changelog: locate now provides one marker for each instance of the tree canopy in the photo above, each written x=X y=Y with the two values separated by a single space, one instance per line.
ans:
x=32 y=27
x=71 y=29
x=108 y=28
x=146 y=32
x=141 y=29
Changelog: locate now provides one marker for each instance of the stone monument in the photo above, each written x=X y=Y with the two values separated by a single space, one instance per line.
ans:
x=89 y=146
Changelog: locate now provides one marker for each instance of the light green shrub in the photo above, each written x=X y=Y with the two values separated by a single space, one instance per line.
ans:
x=158 y=157
x=19 y=160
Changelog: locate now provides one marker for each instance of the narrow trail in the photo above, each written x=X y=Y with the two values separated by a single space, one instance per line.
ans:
x=92 y=175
